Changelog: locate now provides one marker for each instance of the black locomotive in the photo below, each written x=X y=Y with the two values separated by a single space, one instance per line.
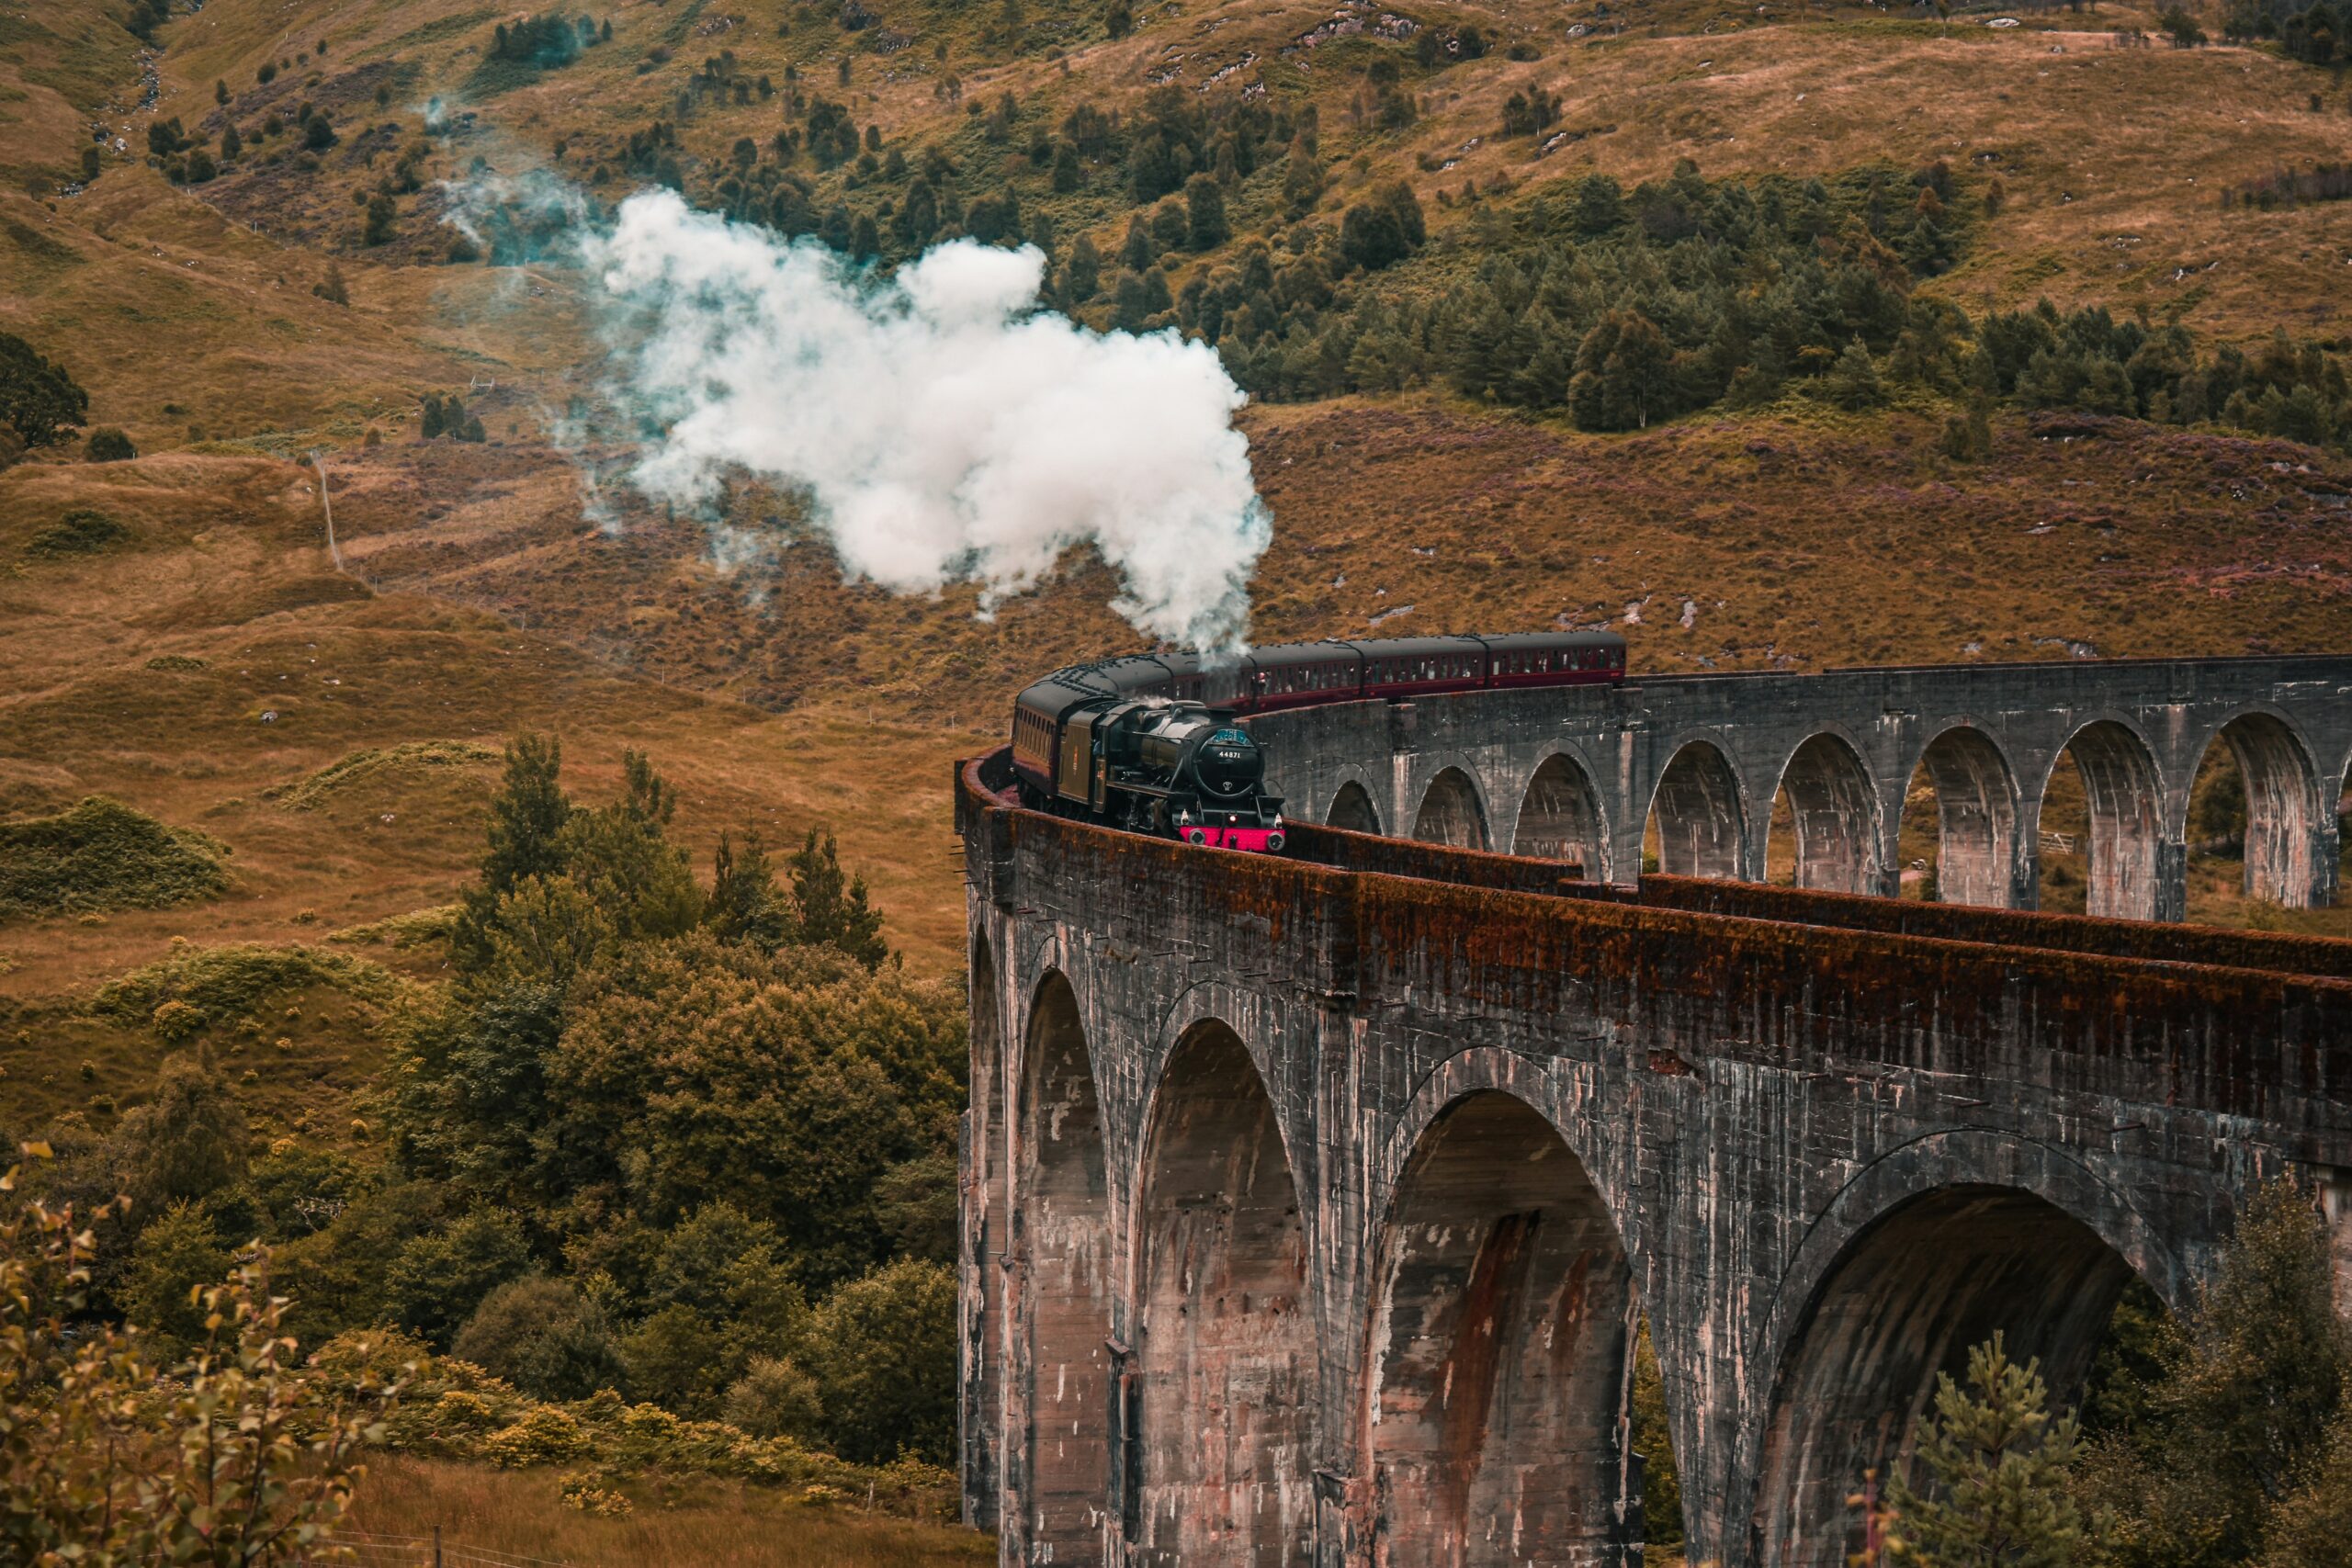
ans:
x=1148 y=742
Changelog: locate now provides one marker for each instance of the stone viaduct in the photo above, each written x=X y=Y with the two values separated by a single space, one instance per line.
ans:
x=1311 y=1203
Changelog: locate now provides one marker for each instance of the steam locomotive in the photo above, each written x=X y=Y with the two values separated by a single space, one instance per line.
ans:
x=1148 y=742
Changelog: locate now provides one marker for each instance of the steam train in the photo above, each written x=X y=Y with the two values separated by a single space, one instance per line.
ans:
x=1148 y=742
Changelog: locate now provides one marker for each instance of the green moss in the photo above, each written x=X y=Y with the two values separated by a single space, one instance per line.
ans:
x=101 y=854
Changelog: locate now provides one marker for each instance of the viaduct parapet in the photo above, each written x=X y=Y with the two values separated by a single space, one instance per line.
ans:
x=1313 y=1203
x=1572 y=774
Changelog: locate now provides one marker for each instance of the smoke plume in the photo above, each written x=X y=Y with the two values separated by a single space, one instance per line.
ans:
x=942 y=428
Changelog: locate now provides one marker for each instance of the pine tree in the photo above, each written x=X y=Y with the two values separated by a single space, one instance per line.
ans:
x=1136 y=253
x=527 y=815
x=1083 y=275
x=745 y=905
x=1995 y=1464
x=1204 y=213
x=1852 y=382
x=1119 y=20
x=834 y=908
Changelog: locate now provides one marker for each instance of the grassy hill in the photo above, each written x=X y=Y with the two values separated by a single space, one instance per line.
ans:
x=318 y=730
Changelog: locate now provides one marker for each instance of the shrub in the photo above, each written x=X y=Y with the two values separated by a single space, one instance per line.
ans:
x=187 y=1143
x=109 y=445
x=175 y=661
x=101 y=1460
x=544 y=1337
x=544 y=1435
x=100 y=854
x=80 y=532
x=775 y=1398
x=884 y=1349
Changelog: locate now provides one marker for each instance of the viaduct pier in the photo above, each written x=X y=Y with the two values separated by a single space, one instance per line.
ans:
x=1312 y=1202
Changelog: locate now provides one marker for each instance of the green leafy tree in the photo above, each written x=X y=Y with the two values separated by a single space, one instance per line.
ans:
x=239 y=1459
x=546 y=1337
x=382 y=214
x=1119 y=18
x=790 y=1082
x=187 y=1142
x=527 y=815
x=1624 y=375
x=38 y=399
x=678 y=1358
x=2311 y=1528
x=745 y=905
x=1994 y=1491
x=2240 y=1415
x=883 y=1347
x=1082 y=274
x=176 y=1255
x=440 y=1280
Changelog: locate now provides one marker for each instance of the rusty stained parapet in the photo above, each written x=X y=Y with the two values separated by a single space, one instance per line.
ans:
x=1749 y=1087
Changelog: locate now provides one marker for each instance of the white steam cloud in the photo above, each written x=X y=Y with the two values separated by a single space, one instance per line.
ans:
x=941 y=427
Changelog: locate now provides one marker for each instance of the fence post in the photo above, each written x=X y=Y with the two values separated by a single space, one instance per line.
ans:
x=437 y=1546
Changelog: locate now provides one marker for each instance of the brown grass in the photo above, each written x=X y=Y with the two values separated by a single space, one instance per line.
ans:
x=698 y=1524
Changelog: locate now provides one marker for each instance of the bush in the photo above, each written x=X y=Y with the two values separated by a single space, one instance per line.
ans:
x=775 y=1398
x=102 y=1460
x=100 y=854
x=544 y=1435
x=884 y=1350
x=544 y=1337
x=107 y=445
x=80 y=532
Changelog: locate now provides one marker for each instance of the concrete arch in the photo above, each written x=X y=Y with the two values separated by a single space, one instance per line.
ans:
x=1493 y=1393
x=987 y=1211
x=1219 y=1409
x=2123 y=787
x=1063 y=1244
x=1932 y=1249
x=1453 y=811
x=1701 y=813
x=1560 y=817
x=1834 y=805
x=1977 y=816
x=2289 y=825
x=1352 y=808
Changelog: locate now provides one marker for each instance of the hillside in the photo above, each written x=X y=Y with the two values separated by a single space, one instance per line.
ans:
x=2080 y=164
x=1772 y=336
